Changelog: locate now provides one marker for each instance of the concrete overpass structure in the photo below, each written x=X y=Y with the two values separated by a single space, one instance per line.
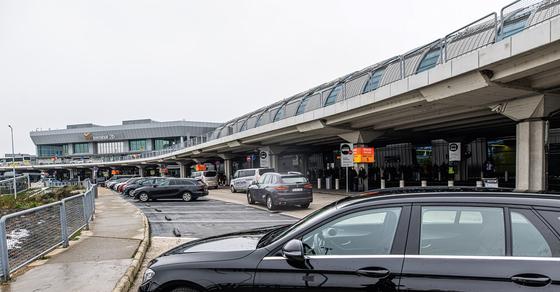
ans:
x=493 y=77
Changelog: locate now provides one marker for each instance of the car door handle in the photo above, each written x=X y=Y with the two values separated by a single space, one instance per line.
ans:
x=373 y=272
x=533 y=280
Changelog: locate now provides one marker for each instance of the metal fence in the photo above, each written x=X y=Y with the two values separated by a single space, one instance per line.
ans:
x=32 y=233
x=22 y=183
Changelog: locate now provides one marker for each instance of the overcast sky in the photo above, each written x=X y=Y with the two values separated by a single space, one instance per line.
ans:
x=77 y=61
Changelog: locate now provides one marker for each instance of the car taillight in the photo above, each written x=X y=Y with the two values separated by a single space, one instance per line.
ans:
x=281 y=188
x=308 y=186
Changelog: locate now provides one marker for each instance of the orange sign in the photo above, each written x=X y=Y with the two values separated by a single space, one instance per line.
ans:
x=364 y=155
x=200 y=167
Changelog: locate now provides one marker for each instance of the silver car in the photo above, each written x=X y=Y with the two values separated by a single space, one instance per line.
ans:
x=209 y=177
x=243 y=178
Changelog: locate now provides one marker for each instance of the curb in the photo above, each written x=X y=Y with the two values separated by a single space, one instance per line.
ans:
x=127 y=280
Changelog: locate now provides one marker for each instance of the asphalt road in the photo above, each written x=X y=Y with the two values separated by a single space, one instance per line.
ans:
x=205 y=217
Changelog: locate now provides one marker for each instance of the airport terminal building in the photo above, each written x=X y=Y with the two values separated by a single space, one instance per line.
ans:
x=90 y=141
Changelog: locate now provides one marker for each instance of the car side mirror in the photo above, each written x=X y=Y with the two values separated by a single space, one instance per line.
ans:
x=293 y=251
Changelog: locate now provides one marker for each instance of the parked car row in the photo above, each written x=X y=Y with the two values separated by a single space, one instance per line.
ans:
x=153 y=188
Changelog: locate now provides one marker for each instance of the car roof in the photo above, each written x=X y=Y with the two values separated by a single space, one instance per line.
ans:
x=451 y=195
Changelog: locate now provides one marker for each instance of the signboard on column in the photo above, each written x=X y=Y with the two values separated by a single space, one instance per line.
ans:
x=264 y=158
x=346 y=155
x=454 y=151
x=364 y=155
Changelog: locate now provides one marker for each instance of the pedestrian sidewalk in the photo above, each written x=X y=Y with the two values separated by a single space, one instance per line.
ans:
x=99 y=259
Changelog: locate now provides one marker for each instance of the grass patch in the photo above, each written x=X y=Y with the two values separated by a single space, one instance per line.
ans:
x=29 y=198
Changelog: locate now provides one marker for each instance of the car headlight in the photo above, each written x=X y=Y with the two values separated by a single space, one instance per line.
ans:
x=148 y=275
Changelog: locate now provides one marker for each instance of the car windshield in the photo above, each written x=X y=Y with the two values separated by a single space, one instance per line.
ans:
x=280 y=232
x=294 y=179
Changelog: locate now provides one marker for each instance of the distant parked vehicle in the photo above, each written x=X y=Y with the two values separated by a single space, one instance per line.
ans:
x=243 y=178
x=276 y=189
x=188 y=189
x=111 y=181
x=121 y=186
x=209 y=177
x=117 y=182
x=144 y=181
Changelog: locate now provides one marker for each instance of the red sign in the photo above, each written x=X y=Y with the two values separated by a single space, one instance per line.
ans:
x=364 y=155
x=200 y=167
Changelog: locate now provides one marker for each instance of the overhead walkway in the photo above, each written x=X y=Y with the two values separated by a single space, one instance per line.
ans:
x=497 y=76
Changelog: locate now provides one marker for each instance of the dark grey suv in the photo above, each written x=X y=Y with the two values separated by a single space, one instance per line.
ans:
x=281 y=189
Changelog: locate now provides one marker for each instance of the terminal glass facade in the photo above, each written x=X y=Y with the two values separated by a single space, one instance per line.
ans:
x=164 y=143
x=110 y=147
x=138 y=145
x=81 y=148
x=49 y=150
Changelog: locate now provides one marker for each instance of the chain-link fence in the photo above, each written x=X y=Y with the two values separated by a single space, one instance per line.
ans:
x=32 y=233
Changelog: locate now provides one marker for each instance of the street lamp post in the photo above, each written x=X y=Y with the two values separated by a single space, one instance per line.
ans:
x=13 y=162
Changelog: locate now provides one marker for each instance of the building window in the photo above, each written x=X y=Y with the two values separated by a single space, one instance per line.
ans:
x=160 y=144
x=110 y=147
x=65 y=149
x=374 y=80
x=280 y=113
x=331 y=99
x=49 y=150
x=137 y=145
x=430 y=60
x=244 y=126
x=302 y=105
x=511 y=28
x=81 y=148
x=259 y=120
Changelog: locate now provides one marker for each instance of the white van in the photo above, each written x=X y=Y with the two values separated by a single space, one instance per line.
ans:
x=209 y=177
x=243 y=178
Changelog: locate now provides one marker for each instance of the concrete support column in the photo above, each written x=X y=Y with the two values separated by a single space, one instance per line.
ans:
x=94 y=173
x=228 y=170
x=182 y=169
x=531 y=114
x=274 y=161
x=72 y=173
x=140 y=171
x=530 y=156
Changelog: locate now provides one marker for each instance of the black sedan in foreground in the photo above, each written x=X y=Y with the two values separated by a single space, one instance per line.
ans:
x=445 y=241
x=188 y=189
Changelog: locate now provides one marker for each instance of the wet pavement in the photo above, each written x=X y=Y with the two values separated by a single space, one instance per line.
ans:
x=205 y=217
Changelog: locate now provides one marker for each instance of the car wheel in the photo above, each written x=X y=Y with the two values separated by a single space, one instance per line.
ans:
x=143 y=197
x=187 y=197
x=270 y=203
x=305 y=206
x=233 y=190
x=250 y=199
